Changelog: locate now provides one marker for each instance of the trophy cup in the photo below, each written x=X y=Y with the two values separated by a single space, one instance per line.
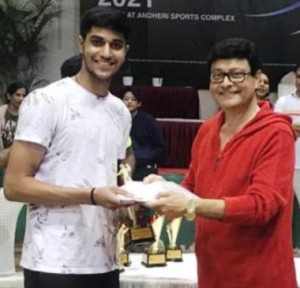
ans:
x=174 y=253
x=156 y=254
x=123 y=254
x=137 y=233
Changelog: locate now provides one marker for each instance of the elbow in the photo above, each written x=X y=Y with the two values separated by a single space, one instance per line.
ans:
x=9 y=190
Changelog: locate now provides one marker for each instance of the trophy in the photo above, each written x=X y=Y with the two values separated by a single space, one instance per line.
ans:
x=174 y=253
x=137 y=232
x=123 y=254
x=156 y=254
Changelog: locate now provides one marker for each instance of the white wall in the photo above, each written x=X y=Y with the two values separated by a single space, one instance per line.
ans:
x=60 y=40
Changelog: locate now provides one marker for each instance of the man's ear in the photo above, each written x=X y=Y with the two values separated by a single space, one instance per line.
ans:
x=127 y=47
x=80 y=44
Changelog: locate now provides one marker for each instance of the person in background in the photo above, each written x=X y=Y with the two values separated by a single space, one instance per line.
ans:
x=9 y=114
x=63 y=163
x=262 y=89
x=146 y=135
x=241 y=174
x=69 y=68
x=148 y=146
x=290 y=104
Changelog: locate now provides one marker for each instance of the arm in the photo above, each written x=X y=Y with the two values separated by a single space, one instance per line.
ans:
x=174 y=204
x=20 y=184
x=4 y=157
x=269 y=190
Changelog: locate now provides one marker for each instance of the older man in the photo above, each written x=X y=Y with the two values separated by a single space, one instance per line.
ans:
x=241 y=173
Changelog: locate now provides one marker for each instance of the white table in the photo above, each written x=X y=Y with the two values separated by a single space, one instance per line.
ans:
x=174 y=275
x=12 y=281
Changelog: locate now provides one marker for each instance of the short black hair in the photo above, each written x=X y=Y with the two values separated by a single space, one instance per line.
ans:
x=105 y=17
x=71 y=66
x=134 y=91
x=236 y=48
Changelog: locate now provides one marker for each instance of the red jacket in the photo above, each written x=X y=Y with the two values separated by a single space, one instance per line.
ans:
x=252 y=245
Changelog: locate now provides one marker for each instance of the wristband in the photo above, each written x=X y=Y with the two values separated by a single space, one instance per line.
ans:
x=92 y=196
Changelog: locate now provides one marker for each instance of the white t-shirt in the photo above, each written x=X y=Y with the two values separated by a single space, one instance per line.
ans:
x=84 y=136
x=290 y=104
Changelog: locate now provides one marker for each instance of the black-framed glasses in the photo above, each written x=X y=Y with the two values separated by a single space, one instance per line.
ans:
x=234 y=76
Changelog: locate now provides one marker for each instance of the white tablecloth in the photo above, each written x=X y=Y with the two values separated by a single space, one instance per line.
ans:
x=174 y=275
x=12 y=281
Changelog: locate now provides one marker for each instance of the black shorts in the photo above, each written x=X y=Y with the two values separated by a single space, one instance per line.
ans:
x=34 y=279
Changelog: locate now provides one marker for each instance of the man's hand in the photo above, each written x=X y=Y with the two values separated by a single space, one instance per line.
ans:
x=296 y=127
x=171 y=204
x=108 y=197
x=153 y=178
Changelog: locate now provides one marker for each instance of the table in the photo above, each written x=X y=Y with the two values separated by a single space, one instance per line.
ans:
x=12 y=281
x=174 y=275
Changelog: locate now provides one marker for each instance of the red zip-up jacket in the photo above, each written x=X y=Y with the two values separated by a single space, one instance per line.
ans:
x=251 y=247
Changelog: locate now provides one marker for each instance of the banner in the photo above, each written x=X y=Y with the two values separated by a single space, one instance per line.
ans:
x=172 y=37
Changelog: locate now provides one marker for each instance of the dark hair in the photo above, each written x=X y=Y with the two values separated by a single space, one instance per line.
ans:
x=71 y=66
x=134 y=91
x=235 y=48
x=13 y=87
x=103 y=17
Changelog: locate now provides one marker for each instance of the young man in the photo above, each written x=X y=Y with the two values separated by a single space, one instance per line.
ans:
x=69 y=68
x=290 y=104
x=241 y=173
x=69 y=138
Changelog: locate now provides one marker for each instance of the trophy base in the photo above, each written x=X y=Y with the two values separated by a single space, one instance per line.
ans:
x=154 y=260
x=140 y=235
x=124 y=259
x=174 y=254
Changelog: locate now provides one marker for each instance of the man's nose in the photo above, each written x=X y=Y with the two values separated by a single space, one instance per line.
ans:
x=106 y=50
x=226 y=81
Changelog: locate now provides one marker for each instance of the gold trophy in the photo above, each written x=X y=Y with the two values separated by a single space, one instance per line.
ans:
x=174 y=253
x=123 y=254
x=156 y=254
x=137 y=233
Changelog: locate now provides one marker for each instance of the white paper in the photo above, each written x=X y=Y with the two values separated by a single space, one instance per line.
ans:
x=141 y=192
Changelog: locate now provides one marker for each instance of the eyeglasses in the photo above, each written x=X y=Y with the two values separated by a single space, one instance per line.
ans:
x=233 y=76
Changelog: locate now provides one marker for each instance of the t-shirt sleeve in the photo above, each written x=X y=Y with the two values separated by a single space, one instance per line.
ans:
x=279 y=105
x=36 y=119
